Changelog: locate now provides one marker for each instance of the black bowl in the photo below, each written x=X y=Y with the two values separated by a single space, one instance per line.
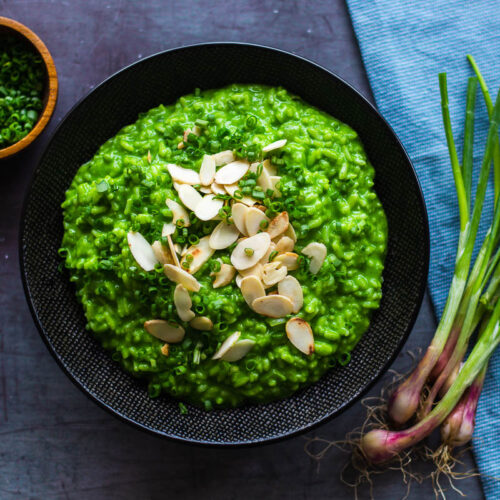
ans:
x=163 y=78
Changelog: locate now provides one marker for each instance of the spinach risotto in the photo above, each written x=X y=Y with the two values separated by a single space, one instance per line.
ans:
x=227 y=248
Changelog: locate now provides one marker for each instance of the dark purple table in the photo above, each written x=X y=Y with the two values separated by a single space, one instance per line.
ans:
x=54 y=442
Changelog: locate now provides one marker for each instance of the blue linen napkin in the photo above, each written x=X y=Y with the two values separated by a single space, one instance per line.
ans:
x=405 y=44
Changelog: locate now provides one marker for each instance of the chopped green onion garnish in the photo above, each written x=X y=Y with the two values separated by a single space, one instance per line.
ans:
x=249 y=251
x=272 y=255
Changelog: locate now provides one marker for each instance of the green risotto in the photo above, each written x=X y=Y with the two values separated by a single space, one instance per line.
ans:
x=228 y=248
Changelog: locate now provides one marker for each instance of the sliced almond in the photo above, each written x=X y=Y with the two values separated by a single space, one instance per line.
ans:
x=278 y=225
x=184 y=250
x=224 y=276
x=288 y=259
x=226 y=345
x=266 y=165
x=223 y=157
x=207 y=170
x=177 y=249
x=238 y=214
x=273 y=306
x=270 y=250
x=290 y=287
x=183 y=175
x=264 y=180
x=164 y=330
x=238 y=350
x=253 y=220
x=206 y=189
x=223 y=235
x=317 y=253
x=189 y=196
x=274 y=145
x=202 y=323
x=183 y=303
x=251 y=289
x=300 y=334
x=208 y=208
x=232 y=172
x=248 y=252
x=284 y=244
x=168 y=228
x=274 y=181
x=178 y=275
x=165 y=349
x=200 y=253
x=238 y=280
x=162 y=254
x=217 y=188
x=178 y=212
x=273 y=273
x=173 y=251
x=231 y=188
x=290 y=232
x=253 y=271
x=248 y=201
x=142 y=251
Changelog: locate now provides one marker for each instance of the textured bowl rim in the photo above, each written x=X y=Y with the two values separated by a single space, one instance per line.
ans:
x=234 y=444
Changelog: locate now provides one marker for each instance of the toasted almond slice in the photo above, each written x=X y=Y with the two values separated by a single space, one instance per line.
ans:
x=232 y=172
x=273 y=273
x=178 y=275
x=180 y=145
x=226 y=345
x=206 y=190
x=224 y=276
x=231 y=188
x=142 y=251
x=264 y=180
x=253 y=271
x=248 y=252
x=253 y=220
x=273 y=306
x=165 y=349
x=238 y=280
x=217 y=188
x=201 y=252
x=270 y=250
x=223 y=158
x=207 y=170
x=183 y=175
x=168 y=228
x=251 y=289
x=290 y=287
x=238 y=350
x=183 y=303
x=189 y=196
x=288 y=259
x=278 y=225
x=238 y=214
x=162 y=254
x=300 y=334
x=290 y=232
x=317 y=253
x=202 y=323
x=274 y=145
x=173 y=250
x=274 y=181
x=223 y=236
x=284 y=244
x=248 y=201
x=208 y=208
x=178 y=212
x=164 y=330
x=184 y=250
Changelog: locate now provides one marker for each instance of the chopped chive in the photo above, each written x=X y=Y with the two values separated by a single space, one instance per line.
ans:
x=272 y=255
x=238 y=194
x=249 y=251
x=263 y=224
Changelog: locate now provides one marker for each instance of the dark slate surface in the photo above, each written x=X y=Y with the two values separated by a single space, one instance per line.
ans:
x=55 y=443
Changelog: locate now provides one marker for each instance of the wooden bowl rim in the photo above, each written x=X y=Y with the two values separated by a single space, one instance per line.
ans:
x=52 y=90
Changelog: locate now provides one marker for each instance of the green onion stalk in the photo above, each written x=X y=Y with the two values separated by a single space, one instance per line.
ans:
x=380 y=445
x=406 y=398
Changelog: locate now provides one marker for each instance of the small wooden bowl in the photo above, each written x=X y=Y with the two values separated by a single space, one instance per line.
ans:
x=11 y=27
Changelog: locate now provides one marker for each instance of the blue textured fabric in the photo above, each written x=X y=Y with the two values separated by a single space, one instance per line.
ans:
x=405 y=44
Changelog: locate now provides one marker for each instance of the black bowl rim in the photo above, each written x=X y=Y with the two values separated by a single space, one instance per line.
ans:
x=236 y=444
